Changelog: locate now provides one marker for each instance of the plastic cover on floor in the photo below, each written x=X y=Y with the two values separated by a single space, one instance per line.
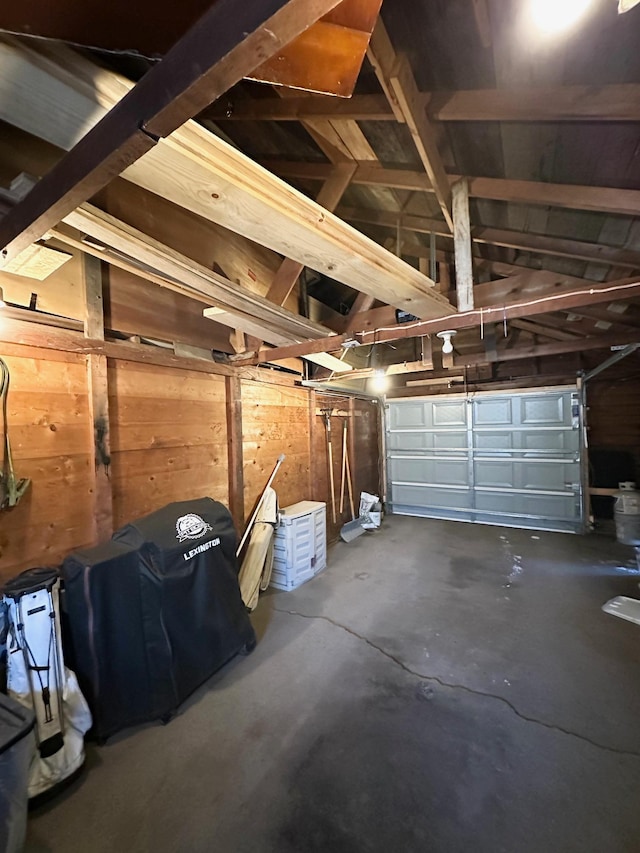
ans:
x=624 y=608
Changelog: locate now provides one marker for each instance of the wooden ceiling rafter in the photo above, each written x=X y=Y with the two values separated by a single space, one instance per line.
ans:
x=625 y=202
x=595 y=294
x=329 y=197
x=397 y=76
x=208 y=177
x=617 y=102
x=216 y=52
x=520 y=240
x=123 y=246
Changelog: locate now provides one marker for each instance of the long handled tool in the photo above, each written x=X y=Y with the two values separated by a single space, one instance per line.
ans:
x=352 y=529
x=327 y=419
x=281 y=459
x=345 y=463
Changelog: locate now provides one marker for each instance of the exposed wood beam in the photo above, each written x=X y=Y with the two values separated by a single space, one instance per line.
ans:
x=382 y=56
x=570 y=196
x=329 y=55
x=605 y=199
x=620 y=102
x=490 y=342
x=621 y=319
x=363 y=303
x=23 y=340
x=593 y=295
x=284 y=281
x=307 y=108
x=29 y=334
x=523 y=283
x=526 y=282
x=523 y=241
x=406 y=92
x=329 y=197
x=159 y=263
x=221 y=48
x=98 y=387
x=233 y=392
x=558 y=246
x=605 y=341
x=546 y=331
x=462 y=245
x=201 y=173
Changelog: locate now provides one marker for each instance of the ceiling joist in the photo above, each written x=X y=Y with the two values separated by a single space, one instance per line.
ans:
x=202 y=173
x=620 y=102
x=570 y=196
x=524 y=241
x=123 y=246
x=594 y=294
x=221 y=48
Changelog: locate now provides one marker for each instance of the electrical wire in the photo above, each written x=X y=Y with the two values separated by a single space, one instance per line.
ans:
x=477 y=313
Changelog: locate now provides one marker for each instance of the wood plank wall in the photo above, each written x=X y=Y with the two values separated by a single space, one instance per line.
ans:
x=52 y=443
x=169 y=441
x=613 y=415
x=168 y=437
x=363 y=438
x=275 y=420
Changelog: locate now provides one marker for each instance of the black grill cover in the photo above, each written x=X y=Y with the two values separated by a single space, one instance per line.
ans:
x=155 y=612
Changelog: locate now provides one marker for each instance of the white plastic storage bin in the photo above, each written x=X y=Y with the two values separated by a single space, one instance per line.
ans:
x=300 y=546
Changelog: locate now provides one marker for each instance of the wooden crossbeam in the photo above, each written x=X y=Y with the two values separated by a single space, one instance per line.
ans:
x=329 y=197
x=594 y=294
x=527 y=242
x=382 y=56
x=308 y=108
x=403 y=85
x=156 y=262
x=569 y=196
x=619 y=102
x=216 y=52
x=545 y=331
x=605 y=341
x=362 y=304
x=205 y=175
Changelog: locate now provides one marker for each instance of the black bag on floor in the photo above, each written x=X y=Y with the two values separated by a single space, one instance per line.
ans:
x=105 y=640
x=155 y=612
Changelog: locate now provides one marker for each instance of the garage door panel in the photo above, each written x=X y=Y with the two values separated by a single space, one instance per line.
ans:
x=543 y=475
x=409 y=441
x=449 y=414
x=407 y=416
x=430 y=470
x=450 y=440
x=431 y=496
x=496 y=411
x=516 y=458
x=545 y=409
x=560 y=440
x=547 y=507
x=500 y=440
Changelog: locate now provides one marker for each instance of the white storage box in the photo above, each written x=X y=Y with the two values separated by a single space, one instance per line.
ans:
x=300 y=546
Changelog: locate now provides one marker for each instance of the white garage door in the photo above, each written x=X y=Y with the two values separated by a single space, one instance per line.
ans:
x=512 y=459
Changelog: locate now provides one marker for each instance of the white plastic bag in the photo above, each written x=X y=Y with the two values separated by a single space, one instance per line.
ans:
x=370 y=511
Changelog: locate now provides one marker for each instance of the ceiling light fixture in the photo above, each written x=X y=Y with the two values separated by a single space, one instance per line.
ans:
x=380 y=382
x=556 y=16
x=447 y=346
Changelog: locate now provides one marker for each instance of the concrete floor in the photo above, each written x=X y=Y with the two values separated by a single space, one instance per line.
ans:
x=440 y=687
